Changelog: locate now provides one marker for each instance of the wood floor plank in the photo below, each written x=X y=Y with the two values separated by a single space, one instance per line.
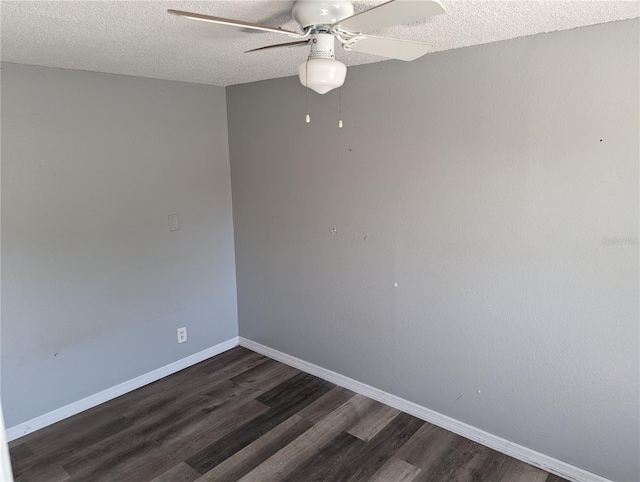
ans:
x=80 y=436
x=51 y=473
x=473 y=470
x=243 y=461
x=287 y=459
x=158 y=461
x=160 y=443
x=493 y=467
x=153 y=427
x=106 y=467
x=518 y=471
x=395 y=470
x=52 y=450
x=265 y=376
x=301 y=391
x=369 y=426
x=170 y=427
x=193 y=439
x=197 y=381
x=20 y=456
x=452 y=464
x=295 y=388
x=179 y=473
x=326 y=404
x=226 y=364
x=72 y=429
x=499 y=467
x=428 y=446
x=330 y=461
x=21 y=452
x=382 y=447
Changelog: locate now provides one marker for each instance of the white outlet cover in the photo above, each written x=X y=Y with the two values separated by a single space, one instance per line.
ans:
x=182 y=334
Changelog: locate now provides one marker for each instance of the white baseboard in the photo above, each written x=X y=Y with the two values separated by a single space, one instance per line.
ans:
x=494 y=442
x=61 y=413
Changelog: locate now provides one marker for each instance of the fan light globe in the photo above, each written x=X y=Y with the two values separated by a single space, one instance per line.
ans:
x=323 y=74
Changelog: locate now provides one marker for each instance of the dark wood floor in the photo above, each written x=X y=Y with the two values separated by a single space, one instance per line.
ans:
x=240 y=415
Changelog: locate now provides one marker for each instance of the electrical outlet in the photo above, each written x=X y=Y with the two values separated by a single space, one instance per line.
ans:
x=182 y=334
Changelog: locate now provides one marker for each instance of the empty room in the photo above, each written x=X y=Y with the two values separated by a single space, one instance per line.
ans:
x=312 y=240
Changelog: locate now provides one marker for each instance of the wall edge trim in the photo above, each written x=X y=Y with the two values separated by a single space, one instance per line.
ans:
x=49 y=418
x=470 y=432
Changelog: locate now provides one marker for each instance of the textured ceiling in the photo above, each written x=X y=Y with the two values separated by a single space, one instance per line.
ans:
x=139 y=38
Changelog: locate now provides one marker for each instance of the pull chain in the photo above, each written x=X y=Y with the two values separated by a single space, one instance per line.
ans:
x=340 y=107
x=306 y=92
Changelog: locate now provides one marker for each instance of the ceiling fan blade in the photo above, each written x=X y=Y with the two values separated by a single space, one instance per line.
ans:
x=395 y=12
x=298 y=43
x=391 y=48
x=233 y=23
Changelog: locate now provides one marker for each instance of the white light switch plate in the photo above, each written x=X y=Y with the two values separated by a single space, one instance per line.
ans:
x=174 y=222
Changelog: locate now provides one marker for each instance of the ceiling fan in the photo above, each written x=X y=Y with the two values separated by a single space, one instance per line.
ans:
x=323 y=22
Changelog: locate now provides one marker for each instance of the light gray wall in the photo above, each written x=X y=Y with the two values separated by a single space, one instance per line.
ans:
x=483 y=181
x=94 y=285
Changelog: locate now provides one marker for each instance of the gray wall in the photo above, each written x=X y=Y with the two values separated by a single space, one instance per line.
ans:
x=483 y=181
x=94 y=285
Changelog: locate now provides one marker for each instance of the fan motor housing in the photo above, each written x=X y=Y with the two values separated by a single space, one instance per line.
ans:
x=309 y=13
